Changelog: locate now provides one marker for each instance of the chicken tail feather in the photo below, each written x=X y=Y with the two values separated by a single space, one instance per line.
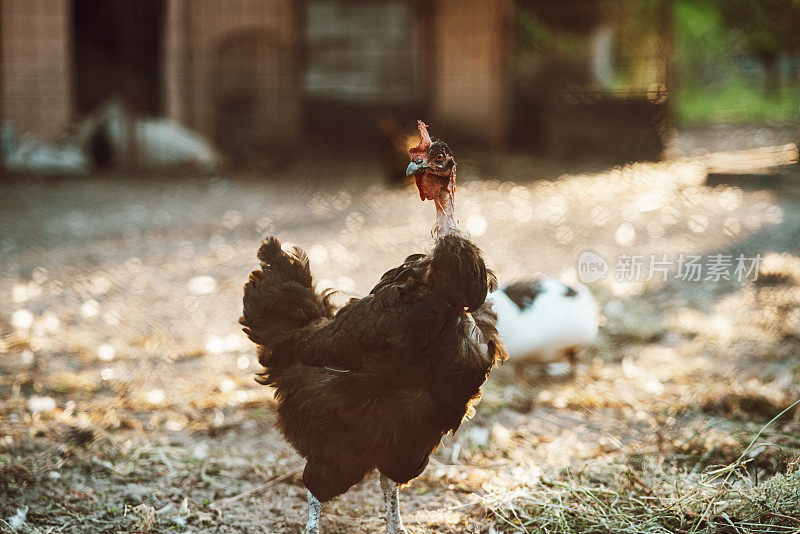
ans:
x=280 y=300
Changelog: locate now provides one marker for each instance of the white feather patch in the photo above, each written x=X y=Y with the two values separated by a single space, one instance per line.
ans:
x=553 y=323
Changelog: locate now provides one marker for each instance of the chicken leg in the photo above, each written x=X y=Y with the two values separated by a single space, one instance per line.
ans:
x=314 y=510
x=394 y=523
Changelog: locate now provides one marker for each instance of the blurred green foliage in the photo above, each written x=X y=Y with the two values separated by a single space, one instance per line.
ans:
x=736 y=103
x=737 y=60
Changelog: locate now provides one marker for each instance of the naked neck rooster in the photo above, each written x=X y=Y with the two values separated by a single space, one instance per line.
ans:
x=378 y=383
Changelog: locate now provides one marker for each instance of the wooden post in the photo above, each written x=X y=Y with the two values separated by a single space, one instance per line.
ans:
x=187 y=57
x=2 y=92
x=472 y=39
x=126 y=14
x=666 y=45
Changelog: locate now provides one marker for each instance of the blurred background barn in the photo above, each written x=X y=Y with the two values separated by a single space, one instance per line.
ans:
x=146 y=148
x=259 y=77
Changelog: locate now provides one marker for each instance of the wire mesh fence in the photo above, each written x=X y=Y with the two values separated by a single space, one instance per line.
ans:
x=581 y=130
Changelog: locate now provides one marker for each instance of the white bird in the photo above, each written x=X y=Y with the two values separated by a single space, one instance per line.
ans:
x=545 y=321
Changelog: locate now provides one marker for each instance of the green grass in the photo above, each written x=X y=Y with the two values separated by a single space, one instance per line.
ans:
x=657 y=495
x=652 y=502
x=738 y=103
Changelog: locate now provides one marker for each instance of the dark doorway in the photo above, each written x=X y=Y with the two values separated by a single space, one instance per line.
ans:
x=117 y=53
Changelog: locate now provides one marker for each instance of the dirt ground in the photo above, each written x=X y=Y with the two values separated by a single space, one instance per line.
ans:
x=127 y=400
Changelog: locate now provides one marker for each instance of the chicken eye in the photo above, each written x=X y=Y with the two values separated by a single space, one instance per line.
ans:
x=439 y=157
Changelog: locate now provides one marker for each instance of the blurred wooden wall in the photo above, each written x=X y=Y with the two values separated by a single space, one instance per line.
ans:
x=471 y=83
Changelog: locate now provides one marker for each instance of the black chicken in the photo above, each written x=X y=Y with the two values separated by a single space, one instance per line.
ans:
x=377 y=383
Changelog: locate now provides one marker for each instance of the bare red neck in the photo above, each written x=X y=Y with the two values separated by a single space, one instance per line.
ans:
x=445 y=210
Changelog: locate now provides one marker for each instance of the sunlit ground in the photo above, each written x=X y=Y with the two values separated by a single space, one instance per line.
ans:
x=127 y=395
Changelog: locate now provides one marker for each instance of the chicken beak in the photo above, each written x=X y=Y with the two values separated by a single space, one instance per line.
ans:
x=415 y=168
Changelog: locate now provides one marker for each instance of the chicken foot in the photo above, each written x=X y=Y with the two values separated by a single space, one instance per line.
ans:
x=314 y=510
x=394 y=523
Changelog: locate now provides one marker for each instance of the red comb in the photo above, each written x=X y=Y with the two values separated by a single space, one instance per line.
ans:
x=424 y=140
